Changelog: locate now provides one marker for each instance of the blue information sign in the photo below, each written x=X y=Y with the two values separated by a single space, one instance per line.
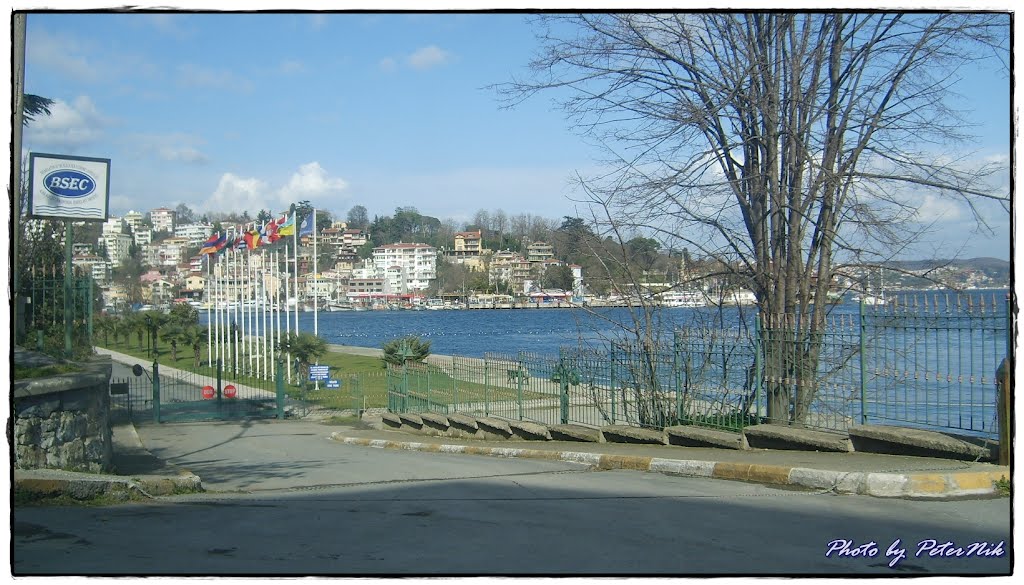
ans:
x=319 y=373
x=334 y=383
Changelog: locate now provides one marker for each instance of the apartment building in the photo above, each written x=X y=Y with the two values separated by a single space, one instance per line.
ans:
x=134 y=220
x=539 y=252
x=417 y=263
x=163 y=219
x=510 y=268
x=117 y=245
x=194 y=233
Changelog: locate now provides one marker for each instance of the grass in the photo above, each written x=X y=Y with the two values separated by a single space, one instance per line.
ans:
x=1003 y=487
x=23 y=373
x=363 y=379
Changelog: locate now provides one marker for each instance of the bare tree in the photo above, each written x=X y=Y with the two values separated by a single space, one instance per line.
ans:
x=784 y=145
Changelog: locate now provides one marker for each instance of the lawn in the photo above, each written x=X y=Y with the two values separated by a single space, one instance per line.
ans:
x=363 y=380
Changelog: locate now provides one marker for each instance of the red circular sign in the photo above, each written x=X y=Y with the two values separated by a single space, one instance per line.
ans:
x=208 y=392
x=230 y=391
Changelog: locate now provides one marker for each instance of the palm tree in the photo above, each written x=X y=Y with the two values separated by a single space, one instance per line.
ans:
x=405 y=349
x=305 y=348
x=194 y=337
x=153 y=322
x=172 y=334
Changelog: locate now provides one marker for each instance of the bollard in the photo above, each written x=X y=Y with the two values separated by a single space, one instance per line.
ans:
x=1004 y=401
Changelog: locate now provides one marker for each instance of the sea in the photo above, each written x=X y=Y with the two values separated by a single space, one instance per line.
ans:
x=543 y=331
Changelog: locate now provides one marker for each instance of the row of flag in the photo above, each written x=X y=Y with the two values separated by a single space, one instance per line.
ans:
x=257 y=236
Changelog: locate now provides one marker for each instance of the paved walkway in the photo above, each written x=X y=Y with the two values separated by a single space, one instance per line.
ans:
x=853 y=473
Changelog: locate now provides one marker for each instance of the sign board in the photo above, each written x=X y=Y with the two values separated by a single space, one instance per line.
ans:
x=334 y=383
x=319 y=373
x=208 y=392
x=68 y=187
x=230 y=391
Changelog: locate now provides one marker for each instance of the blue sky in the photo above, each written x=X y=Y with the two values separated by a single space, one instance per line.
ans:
x=248 y=111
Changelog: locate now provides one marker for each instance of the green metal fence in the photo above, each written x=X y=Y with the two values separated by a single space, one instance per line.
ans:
x=50 y=305
x=917 y=362
x=212 y=393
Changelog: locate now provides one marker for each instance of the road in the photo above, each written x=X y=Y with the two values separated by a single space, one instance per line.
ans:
x=285 y=500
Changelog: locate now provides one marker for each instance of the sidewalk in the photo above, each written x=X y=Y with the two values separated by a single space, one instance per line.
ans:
x=137 y=470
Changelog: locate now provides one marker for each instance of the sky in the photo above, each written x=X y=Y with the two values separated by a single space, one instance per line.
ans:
x=236 y=112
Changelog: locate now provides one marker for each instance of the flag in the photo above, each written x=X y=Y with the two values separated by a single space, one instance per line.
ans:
x=268 y=233
x=288 y=227
x=306 y=229
x=214 y=244
x=240 y=243
x=252 y=239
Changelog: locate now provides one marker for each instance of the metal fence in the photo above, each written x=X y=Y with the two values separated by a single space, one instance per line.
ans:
x=207 y=393
x=919 y=362
x=46 y=315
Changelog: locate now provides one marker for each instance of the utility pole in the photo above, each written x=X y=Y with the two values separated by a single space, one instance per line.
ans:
x=18 y=79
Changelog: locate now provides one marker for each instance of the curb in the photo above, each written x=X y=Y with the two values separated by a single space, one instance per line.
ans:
x=45 y=483
x=877 y=484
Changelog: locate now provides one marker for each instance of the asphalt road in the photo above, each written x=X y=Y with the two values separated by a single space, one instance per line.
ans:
x=285 y=500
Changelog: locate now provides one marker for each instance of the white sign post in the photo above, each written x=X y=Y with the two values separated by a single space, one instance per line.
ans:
x=72 y=189
x=68 y=187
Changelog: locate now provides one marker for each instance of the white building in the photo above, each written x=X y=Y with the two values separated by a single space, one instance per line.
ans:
x=417 y=264
x=117 y=246
x=134 y=220
x=114 y=225
x=195 y=233
x=163 y=220
x=143 y=237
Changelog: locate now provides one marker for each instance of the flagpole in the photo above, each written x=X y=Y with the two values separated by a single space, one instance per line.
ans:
x=275 y=327
x=240 y=309
x=216 y=310
x=269 y=307
x=208 y=295
x=316 y=286
x=297 y=301
x=287 y=315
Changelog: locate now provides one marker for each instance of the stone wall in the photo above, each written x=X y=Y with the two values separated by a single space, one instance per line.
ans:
x=63 y=421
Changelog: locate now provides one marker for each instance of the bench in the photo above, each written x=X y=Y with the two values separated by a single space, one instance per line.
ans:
x=517 y=375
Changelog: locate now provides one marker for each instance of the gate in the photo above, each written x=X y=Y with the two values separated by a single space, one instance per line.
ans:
x=214 y=394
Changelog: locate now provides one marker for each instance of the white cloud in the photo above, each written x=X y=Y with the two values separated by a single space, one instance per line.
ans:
x=190 y=75
x=175 y=147
x=318 y=21
x=69 y=126
x=65 y=55
x=388 y=64
x=238 y=193
x=428 y=57
x=291 y=67
x=310 y=182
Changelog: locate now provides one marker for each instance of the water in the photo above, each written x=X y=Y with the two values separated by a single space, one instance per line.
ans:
x=473 y=333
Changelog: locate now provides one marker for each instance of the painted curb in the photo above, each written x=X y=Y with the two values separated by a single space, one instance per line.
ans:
x=882 y=485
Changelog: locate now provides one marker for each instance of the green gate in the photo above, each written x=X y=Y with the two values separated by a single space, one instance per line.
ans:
x=215 y=394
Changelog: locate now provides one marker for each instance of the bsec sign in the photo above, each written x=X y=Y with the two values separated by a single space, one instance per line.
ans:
x=67 y=187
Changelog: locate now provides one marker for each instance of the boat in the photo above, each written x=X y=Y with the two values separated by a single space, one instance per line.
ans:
x=675 y=299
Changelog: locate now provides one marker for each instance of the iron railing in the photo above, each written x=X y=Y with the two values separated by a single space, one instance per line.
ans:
x=917 y=362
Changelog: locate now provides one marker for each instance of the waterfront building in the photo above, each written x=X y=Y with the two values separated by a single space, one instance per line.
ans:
x=417 y=263
x=509 y=268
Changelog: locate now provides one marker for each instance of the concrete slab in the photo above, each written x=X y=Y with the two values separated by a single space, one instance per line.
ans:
x=919 y=443
x=626 y=434
x=529 y=431
x=691 y=436
x=391 y=420
x=792 y=438
x=494 y=428
x=411 y=421
x=575 y=433
x=435 y=424
x=463 y=421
